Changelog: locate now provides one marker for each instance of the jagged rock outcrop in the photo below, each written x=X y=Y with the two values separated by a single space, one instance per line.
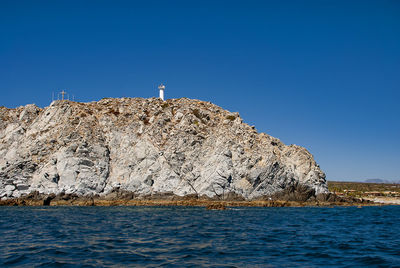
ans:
x=145 y=146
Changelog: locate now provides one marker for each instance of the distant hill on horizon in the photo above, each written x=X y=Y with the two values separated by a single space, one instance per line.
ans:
x=376 y=180
x=381 y=181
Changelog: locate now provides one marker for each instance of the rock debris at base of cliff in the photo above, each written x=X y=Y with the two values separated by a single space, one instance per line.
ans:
x=147 y=147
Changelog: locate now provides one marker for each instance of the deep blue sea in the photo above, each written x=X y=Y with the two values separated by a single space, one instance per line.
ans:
x=196 y=237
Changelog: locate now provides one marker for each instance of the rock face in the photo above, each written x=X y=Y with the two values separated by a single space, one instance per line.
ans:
x=148 y=147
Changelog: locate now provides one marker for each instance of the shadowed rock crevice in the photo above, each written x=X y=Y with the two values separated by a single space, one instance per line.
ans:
x=296 y=192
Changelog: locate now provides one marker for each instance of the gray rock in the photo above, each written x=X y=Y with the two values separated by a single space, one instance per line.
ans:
x=145 y=146
x=22 y=187
x=9 y=188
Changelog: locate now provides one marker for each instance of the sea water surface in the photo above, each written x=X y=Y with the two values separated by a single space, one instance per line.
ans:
x=195 y=237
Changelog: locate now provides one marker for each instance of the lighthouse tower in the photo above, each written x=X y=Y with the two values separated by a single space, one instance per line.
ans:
x=161 y=88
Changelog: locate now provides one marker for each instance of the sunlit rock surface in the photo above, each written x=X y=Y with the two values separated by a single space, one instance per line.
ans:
x=145 y=146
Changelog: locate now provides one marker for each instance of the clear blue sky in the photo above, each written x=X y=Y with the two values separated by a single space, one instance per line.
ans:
x=321 y=74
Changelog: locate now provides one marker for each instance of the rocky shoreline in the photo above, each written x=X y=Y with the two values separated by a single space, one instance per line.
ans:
x=124 y=198
x=209 y=204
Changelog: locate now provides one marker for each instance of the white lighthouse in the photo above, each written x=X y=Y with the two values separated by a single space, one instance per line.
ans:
x=161 y=88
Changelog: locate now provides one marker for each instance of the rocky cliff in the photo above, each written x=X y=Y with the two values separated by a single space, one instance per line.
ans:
x=147 y=147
